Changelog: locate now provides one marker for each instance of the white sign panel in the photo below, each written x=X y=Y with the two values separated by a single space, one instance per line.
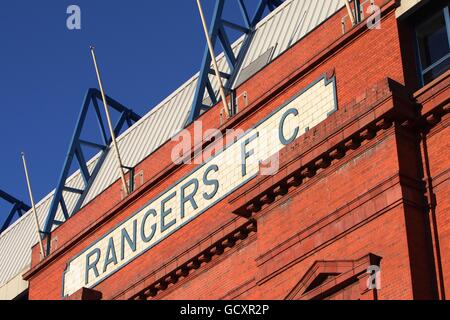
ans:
x=201 y=189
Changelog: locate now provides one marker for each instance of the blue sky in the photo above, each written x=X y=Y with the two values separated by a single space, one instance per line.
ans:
x=145 y=49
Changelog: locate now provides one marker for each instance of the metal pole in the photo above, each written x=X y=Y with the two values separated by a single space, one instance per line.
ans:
x=350 y=13
x=108 y=117
x=33 y=205
x=213 y=58
x=357 y=9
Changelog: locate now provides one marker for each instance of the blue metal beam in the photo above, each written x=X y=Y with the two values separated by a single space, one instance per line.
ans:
x=217 y=33
x=18 y=209
x=92 y=98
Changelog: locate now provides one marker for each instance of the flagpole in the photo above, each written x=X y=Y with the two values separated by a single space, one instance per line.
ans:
x=213 y=58
x=108 y=117
x=38 y=229
x=349 y=10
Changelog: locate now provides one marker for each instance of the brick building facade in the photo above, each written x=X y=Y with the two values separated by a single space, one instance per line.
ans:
x=364 y=189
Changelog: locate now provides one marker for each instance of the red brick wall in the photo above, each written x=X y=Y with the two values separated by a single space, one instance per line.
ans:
x=439 y=156
x=370 y=201
x=435 y=154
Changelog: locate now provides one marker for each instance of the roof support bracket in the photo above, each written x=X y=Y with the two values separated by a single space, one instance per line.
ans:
x=217 y=31
x=127 y=116
x=18 y=208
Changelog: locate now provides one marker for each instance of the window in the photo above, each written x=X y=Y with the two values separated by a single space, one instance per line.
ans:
x=433 y=43
x=338 y=280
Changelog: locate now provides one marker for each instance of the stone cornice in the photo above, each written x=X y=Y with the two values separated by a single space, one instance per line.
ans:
x=328 y=142
x=184 y=269
x=434 y=99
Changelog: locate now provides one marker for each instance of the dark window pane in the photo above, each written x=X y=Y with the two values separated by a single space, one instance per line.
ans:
x=437 y=71
x=433 y=40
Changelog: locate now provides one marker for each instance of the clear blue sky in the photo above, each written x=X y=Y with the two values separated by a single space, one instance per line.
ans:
x=146 y=49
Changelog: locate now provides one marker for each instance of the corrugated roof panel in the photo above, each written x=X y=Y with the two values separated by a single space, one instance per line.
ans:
x=254 y=67
x=282 y=28
x=289 y=23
